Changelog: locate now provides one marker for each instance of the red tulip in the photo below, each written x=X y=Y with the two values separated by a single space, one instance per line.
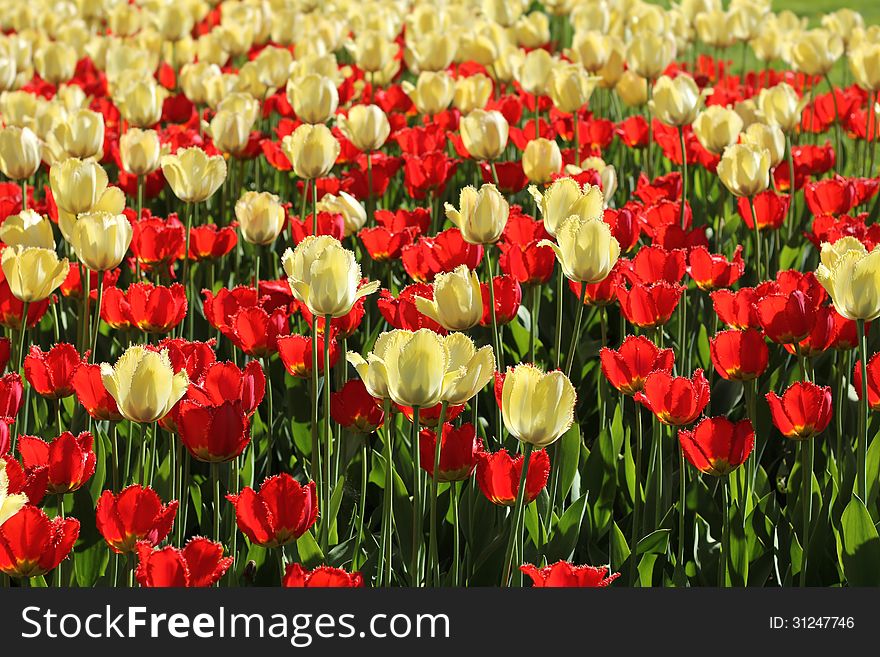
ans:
x=401 y=312
x=674 y=236
x=213 y=433
x=771 y=209
x=713 y=271
x=737 y=309
x=156 y=241
x=844 y=335
x=11 y=391
x=430 y=417
x=155 y=308
x=603 y=293
x=383 y=245
x=355 y=409
x=649 y=305
x=199 y=564
x=628 y=367
x=5 y=350
x=563 y=574
x=717 y=446
x=803 y=411
x=832 y=196
x=786 y=318
x=430 y=256
x=739 y=355
x=820 y=337
x=662 y=188
x=257 y=332
x=663 y=213
x=654 y=263
x=511 y=176
x=633 y=131
x=791 y=280
x=625 y=227
x=498 y=476
x=210 y=241
x=222 y=308
x=296 y=354
x=70 y=459
x=384 y=168
x=828 y=228
x=460 y=449
x=33 y=483
x=420 y=140
x=296 y=577
x=873 y=381
x=91 y=393
x=521 y=257
x=12 y=309
x=135 y=514
x=329 y=223
x=225 y=382
x=675 y=400
x=428 y=173
x=508 y=296
x=281 y=512
x=116 y=310
x=341 y=327
x=51 y=372
x=31 y=544
x=417 y=220
x=195 y=358
x=72 y=285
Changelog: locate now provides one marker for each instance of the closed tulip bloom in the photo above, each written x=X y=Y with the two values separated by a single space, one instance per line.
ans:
x=77 y=185
x=19 y=153
x=537 y=407
x=313 y=97
x=458 y=303
x=717 y=128
x=33 y=273
x=194 y=176
x=9 y=503
x=532 y=72
x=769 y=137
x=533 y=30
x=632 y=89
x=481 y=215
x=140 y=151
x=781 y=106
x=627 y=367
x=650 y=54
x=803 y=411
x=676 y=101
x=415 y=365
x=312 y=150
x=565 y=575
x=140 y=102
x=815 y=52
x=739 y=355
x=459 y=451
x=570 y=87
x=260 y=216
x=745 y=169
x=325 y=276
x=502 y=12
x=717 y=446
x=541 y=159
x=366 y=126
x=135 y=514
x=27 y=228
x=101 y=240
x=498 y=476
x=32 y=544
x=714 y=28
x=484 y=134
x=472 y=93
x=55 y=62
x=82 y=134
x=230 y=132
x=144 y=384
x=675 y=400
x=372 y=51
x=280 y=512
x=432 y=92
x=354 y=216
x=864 y=63
x=194 y=79
x=433 y=51
x=564 y=198
x=585 y=248
x=591 y=50
x=851 y=275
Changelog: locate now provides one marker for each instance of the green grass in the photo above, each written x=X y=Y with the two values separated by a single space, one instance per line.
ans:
x=813 y=9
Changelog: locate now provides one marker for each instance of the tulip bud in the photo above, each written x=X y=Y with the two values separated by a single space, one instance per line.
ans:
x=312 y=150
x=484 y=134
x=194 y=78
x=366 y=126
x=533 y=72
x=458 y=302
x=433 y=51
x=82 y=135
x=231 y=132
x=503 y=12
x=482 y=215
x=55 y=62
x=537 y=408
x=677 y=100
x=274 y=66
x=372 y=51
x=570 y=87
x=18 y=108
x=313 y=97
x=532 y=30
x=193 y=175
x=717 y=128
x=144 y=384
x=472 y=93
x=541 y=159
x=815 y=52
x=353 y=214
x=585 y=248
x=850 y=274
x=767 y=44
x=8 y=72
x=140 y=102
x=780 y=105
x=650 y=54
x=591 y=50
x=632 y=89
x=77 y=184
x=864 y=63
x=174 y=21
x=325 y=276
x=766 y=136
x=27 y=228
x=432 y=92
x=140 y=151
x=33 y=273
x=101 y=240
x=260 y=216
x=745 y=169
x=19 y=153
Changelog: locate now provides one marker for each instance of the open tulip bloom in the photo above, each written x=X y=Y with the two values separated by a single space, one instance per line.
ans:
x=474 y=295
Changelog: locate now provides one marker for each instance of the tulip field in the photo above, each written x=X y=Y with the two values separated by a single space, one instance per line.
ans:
x=403 y=293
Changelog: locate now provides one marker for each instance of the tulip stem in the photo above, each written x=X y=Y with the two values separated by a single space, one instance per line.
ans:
x=836 y=117
x=861 y=467
x=456 y=548
x=684 y=177
x=215 y=486
x=97 y=324
x=496 y=342
x=758 y=267
x=325 y=526
x=791 y=187
x=22 y=332
x=637 y=495
x=682 y=495
x=415 y=575
x=85 y=317
x=114 y=445
x=315 y=464
x=569 y=361
x=577 y=138
x=725 y=532
x=648 y=155
x=517 y=513
x=535 y=292
x=806 y=503
x=314 y=207
x=355 y=560
x=369 y=155
x=433 y=558
x=560 y=280
x=384 y=569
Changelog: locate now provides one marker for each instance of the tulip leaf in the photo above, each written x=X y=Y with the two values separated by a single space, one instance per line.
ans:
x=565 y=534
x=92 y=561
x=703 y=348
x=335 y=503
x=657 y=542
x=873 y=465
x=619 y=548
x=569 y=451
x=309 y=552
x=861 y=545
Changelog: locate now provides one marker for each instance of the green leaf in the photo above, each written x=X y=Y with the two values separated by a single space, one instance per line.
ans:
x=335 y=502
x=565 y=533
x=657 y=542
x=310 y=554
x=703 y=347
x=569 y=451
x=619 y=548
x=861 y=546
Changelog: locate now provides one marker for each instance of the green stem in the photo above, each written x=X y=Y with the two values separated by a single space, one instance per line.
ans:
x=535 y=293
x=791 y=187
x=682 y=495
x=684 y=177
x=97 y=325
x=806 y=503
x=325 y=525
x=314 y=207
x=456 y=537
x=384 y=577
x=758 y=263
x=861 y=467
x=24 y=187
x=415 y=566
x=836 y=118
x=496 y=342
x=355 y=560
x=560 y=282
x=433 y=557
x=725 y=533
x=569 y=361
x=215 y=487
x=315 y=464
x=637 y=497
x=517 y=512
